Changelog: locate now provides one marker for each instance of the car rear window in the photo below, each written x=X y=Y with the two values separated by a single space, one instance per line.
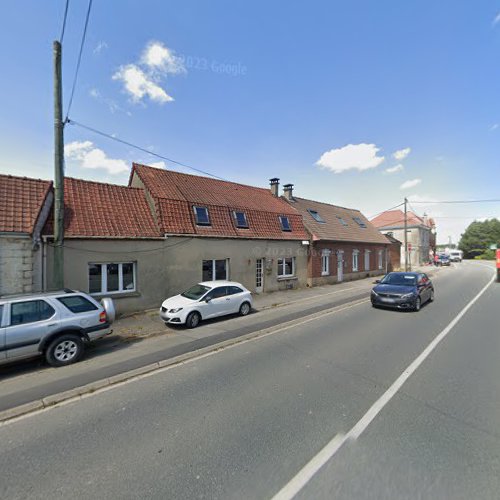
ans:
x=77 y=304
x=232 y=290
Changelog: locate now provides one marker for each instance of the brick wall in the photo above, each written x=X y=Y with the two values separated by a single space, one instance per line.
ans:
x=315 y=276
x=16 y=265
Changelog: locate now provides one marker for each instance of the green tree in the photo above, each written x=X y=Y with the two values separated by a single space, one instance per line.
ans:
x=478 y=237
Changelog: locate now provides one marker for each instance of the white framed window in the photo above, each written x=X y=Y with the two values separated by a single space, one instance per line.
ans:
x=355 y=260
x=367 y=260
x=216 y=269
x=285 y=223
x=201 y=216
x=286 y=267
x=325 y=262
x=380 y=259
x=112 y=277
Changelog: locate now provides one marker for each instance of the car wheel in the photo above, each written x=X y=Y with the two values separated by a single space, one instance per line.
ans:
x=431 y=298
x=245 y=308
x=418 y=304
x=64 y=350
x=193 y=320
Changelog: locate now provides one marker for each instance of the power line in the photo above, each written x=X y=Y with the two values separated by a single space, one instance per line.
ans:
x=84 y=35
x=64 y=21
x=144 y=150
x=494 y=200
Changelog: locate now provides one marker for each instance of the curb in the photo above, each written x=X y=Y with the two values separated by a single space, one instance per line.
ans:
x=85 y=390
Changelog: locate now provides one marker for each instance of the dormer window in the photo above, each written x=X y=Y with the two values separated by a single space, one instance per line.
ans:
x=315 y=215
x=359 y=222
x=201 y=215
x=240 y=219
x=285 y=223
x=341 y=220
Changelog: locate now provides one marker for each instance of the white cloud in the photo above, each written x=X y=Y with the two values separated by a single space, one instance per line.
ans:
x=101 y=45
x=497 y=19
x=494 y=127
x=160 y=58
x=396 y=168
x=138 y=84
x=410 y=184
x=401 y=154
x=93 y=158
x=157 y=164
x=351 y=157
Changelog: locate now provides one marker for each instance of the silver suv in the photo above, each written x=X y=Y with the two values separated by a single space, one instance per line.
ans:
x=56 y=325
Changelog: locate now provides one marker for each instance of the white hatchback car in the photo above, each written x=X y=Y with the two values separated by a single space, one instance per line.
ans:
x=208 y=299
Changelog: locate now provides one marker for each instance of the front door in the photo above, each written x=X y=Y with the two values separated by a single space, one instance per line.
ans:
x=259 y=275
x=340 y=266
x=219 y=303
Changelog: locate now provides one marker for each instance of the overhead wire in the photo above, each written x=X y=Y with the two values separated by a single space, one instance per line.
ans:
x=144 y=150
x=75 y=79
x=64 y=22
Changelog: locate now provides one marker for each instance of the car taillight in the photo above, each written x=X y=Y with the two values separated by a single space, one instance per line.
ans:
x=102 y=317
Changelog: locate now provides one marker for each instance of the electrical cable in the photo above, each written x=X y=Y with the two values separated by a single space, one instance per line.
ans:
x=144 y=150
x=64 y=22
x=84 y=35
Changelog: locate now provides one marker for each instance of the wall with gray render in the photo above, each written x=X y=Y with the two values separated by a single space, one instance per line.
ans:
x=167 y=267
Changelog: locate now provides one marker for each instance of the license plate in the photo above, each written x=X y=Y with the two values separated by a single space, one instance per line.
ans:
x=387 y=301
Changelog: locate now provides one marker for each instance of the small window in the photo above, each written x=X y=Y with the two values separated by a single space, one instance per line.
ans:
x=286 y=267
x=380 y=259
x=201 y=214
x=77 y=304
x=217 y=293
x=359 y=222
x=240 y=219
x=29 y=312
x=341 y=220
x=325 y=262
x=112 y=278
x=233 y=290
x=315 y=215
x=214 y=270
x=355 y=260
x=285 y=223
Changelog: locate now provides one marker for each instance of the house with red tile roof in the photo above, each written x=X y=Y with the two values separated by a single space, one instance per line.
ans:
x=421 y=234
x=225 y=230
x=344 y=245
x=24 y=207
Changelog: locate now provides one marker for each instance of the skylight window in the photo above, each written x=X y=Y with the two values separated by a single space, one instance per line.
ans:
x=240 y=219
x=359 y=222
x=201 y=215
x=285 y=223
x=315 y=215
x=341 y=220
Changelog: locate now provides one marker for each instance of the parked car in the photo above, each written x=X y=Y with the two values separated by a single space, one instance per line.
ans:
x=56 y=325
x=403 y=291
x=205 y=300
x=443 y=260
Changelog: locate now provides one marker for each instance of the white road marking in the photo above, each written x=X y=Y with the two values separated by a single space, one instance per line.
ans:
x=313 y=466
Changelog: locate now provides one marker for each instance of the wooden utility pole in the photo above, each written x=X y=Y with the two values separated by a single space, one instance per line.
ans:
x=406 y=235
x=58 y=264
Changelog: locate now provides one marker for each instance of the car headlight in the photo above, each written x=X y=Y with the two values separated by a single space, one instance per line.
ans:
x=408 y=295
x=176 y=310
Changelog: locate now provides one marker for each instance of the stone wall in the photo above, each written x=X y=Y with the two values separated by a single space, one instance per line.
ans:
x=17 y=266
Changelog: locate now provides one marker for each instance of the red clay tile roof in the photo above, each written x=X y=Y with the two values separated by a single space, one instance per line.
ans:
x=333 y=229
x=396 y=218
x=175 y=194
x=21 y=200
x=98 y=210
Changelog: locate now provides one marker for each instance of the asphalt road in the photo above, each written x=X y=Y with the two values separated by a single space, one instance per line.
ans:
x=242 y=422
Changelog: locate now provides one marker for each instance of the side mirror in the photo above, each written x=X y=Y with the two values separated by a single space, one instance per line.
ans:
x=208 y=299
x=376 y=281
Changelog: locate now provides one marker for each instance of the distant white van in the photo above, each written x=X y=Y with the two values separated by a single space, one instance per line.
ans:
x=456 y=255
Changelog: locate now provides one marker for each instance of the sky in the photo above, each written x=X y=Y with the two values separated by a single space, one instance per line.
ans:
x=358 y=103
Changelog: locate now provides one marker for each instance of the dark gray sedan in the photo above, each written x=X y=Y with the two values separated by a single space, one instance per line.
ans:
x=403 y=291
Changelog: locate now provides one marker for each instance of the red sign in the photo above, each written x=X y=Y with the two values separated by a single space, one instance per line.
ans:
x=409 y=247
x=498 y=258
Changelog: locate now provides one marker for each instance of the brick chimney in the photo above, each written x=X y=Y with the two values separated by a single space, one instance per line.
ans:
x=275 y=186
x=288 y=191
